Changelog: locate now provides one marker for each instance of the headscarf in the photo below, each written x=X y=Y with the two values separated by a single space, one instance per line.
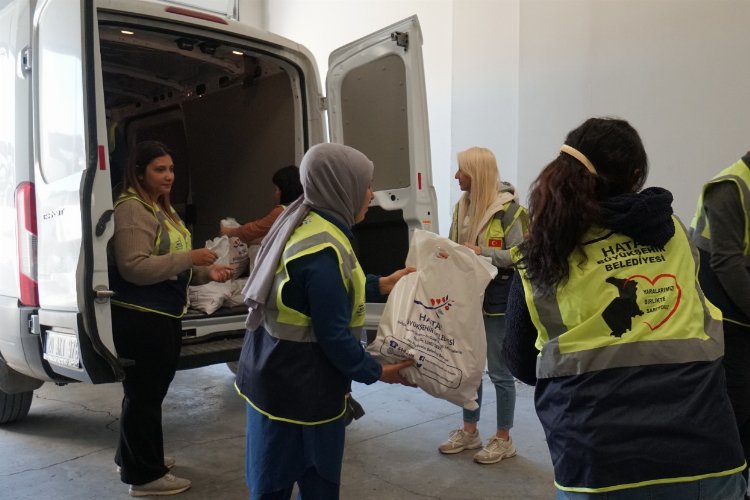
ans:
x=335 y=179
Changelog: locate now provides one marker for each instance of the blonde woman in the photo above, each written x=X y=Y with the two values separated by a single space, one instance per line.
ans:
x=488 y=220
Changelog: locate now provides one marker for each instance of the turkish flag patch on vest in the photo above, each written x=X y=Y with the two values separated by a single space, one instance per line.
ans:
x=496 y=243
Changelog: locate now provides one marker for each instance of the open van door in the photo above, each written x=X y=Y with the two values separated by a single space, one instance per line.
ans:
x=73 y=193
x=377 y=104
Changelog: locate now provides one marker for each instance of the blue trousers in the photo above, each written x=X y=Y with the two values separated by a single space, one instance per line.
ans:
x=505 y=385
x=279 y=454
x=311 y=486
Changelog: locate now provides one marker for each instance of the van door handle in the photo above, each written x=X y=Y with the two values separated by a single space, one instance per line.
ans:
x=102 y=294
x=103 y=220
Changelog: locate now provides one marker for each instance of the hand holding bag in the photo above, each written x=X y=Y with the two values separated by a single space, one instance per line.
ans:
x=434 y=316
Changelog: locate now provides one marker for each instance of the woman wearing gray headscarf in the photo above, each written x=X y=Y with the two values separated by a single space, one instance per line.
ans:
x=306 y=299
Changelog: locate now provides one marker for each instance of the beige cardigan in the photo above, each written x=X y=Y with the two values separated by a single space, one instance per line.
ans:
x=132 y=244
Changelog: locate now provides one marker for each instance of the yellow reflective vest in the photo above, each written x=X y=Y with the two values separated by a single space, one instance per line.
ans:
x=168 y=297
x=739 y=174
x=630 y=358
x=510 y=216
x=622 y=295
x=287 y=343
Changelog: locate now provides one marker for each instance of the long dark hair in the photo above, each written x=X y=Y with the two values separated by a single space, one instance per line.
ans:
x=145 y=152
x=287 y=180
x=564 y=199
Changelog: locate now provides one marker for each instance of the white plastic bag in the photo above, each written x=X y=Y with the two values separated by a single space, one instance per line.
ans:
x=229 y=222
x=209 y=297
x=434 y=316
x=220 y=245
x=231 y=252
x=235 y=297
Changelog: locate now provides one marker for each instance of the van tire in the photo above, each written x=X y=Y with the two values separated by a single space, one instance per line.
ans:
x=14 y=406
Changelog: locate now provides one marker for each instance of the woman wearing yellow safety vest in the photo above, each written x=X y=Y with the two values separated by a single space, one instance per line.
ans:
x=306 y=298
x=721 y=232
x=151 y=264
x=610 y=323
x=488 y=220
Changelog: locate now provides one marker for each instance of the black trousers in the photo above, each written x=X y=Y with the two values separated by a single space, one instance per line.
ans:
x=153 y=342
x=737 y=368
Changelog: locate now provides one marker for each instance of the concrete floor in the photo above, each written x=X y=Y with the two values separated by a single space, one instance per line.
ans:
x=64 y=448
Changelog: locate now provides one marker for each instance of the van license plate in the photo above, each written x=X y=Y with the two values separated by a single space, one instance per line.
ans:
x=62 y=349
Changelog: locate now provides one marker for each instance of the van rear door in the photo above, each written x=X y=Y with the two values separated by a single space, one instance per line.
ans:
x=73 y=193
x=377 y=104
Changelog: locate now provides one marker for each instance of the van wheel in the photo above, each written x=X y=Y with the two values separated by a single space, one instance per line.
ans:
x=232 y=365
x=14 y=406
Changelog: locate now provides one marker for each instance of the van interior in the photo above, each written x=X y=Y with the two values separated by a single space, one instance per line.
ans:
x=232 y=115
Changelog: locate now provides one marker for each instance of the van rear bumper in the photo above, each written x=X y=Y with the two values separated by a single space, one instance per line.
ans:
x=20 y=348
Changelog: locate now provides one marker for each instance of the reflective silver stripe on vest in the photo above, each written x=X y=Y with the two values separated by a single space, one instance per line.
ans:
x=163 y=234
x=298 y=333
x=553 y=364
x=510 y=216
x=282 y=331
x=550 y=311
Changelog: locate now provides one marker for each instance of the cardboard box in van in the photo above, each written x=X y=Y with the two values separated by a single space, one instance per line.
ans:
x=81 y=82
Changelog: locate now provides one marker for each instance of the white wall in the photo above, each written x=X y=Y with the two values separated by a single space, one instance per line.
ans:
x=484 y=92
x=517 y=75
x=676 y=69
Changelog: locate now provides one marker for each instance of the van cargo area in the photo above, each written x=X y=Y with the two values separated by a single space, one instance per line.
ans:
x=229 y=115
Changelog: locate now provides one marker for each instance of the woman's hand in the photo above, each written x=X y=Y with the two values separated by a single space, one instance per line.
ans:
x=391 y=373
x=386 y=283
x=220 y=272
x=474 y=248
x=203 y=257
x=227 y=231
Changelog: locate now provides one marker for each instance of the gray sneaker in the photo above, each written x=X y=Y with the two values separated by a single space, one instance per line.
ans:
x=168 y=463
x=459 y=441
x=495 y=450
x=165 y=485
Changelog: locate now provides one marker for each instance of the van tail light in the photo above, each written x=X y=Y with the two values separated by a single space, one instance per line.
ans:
x=26 y=237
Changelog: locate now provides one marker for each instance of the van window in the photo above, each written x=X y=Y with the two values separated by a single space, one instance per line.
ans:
x=61 y=145
x=373 y=104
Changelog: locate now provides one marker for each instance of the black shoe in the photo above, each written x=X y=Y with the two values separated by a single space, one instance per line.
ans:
x=354 y=411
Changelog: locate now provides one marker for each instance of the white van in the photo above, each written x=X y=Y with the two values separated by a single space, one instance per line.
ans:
x=82 y=81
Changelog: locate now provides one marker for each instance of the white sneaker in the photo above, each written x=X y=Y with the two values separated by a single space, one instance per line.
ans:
x=495 y=450
x=165 y=485
x=459 y=441
x=169 y=462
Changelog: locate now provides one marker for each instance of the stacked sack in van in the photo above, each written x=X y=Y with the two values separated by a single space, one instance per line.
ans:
x=233 y=252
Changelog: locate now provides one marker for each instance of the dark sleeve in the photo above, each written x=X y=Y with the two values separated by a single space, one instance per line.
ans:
x=519 y=350
x=372 y=289
x=322 y=296
x=727 y=223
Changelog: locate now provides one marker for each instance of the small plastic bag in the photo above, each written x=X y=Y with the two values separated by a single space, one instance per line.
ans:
x=231 y=252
